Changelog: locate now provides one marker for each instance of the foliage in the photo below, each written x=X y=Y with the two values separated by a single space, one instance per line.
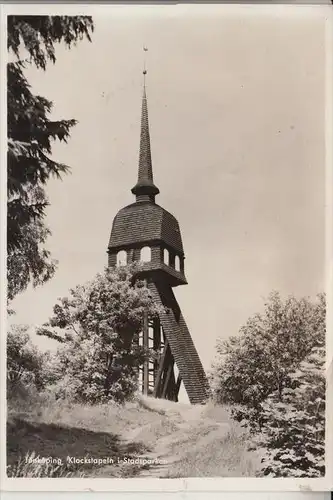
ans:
x=29 y=262
x=38 y=34
x=98 y=327
x=273 y=374
x=30 y=136
x=260 y=359
x=26 y=365
x=293 y=426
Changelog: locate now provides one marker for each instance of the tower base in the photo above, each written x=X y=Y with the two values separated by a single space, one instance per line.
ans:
x=177 y=358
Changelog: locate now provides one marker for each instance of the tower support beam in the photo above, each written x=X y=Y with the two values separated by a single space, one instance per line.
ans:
x=145 y=375
x=161 y=368
x=166 y=387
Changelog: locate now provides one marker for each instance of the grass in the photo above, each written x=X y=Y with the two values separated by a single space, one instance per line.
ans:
x=193 y=441
x=27 y=467
x=207 y=443
x=214 y=454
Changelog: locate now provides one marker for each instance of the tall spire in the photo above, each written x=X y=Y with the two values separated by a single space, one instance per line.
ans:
x=145 y=189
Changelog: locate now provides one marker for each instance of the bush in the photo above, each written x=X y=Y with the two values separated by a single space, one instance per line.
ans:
x=293 y=426
x=27 y=367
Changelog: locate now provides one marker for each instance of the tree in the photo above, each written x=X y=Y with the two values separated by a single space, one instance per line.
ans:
x=295 y=436
x=293 y=426
x=98 y=327
x=30 y=136
x=273 y=376
x=25 y=363
x=29 y=262
x=259 y=360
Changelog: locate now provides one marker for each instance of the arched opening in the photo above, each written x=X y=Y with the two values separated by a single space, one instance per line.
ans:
x=166 y=257
x=145 y=254
x=121 y=258
x=177 y=263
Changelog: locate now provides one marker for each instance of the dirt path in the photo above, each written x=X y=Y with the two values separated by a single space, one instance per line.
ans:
x=187 y=421
x=182 y=440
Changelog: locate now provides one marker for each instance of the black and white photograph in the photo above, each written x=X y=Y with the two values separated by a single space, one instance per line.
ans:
x=166 y=212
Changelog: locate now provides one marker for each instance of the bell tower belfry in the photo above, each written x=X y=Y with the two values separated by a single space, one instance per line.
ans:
x=144 y=231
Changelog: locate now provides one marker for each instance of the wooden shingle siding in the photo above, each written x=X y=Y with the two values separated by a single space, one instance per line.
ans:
x=181 y=344
x=145 y=222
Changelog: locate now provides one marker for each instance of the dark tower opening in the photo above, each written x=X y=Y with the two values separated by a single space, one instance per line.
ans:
x=144 y=231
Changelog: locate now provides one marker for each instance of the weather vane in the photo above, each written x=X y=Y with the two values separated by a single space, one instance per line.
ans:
x=145 y=49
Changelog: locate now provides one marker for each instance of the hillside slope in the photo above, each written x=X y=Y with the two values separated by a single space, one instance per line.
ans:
x=148 y=438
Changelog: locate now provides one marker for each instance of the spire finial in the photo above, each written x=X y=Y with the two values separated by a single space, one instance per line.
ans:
x=144 y=72
x=145 y=189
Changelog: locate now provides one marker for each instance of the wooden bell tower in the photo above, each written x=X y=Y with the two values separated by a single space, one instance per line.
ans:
x=144 y=231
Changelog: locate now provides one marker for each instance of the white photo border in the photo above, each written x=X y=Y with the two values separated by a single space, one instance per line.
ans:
x=186 y=484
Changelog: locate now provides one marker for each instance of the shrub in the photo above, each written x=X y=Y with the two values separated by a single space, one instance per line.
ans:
x=293 y=426
x=27 y=367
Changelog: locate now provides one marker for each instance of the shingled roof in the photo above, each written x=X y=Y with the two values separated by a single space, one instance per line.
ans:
x=145 y=222
x=145 y=188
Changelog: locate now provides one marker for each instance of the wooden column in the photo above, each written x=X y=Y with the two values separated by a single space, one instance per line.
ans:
x=179 y=381
x=166 y=387
x=156 y=344
x=161 y=369
x=145 y=373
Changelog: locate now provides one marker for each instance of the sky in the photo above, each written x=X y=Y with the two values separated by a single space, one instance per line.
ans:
x=237 y=119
